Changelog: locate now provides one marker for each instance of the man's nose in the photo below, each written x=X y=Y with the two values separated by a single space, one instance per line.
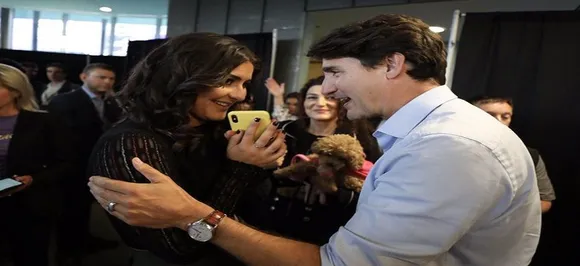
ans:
x=328 y=87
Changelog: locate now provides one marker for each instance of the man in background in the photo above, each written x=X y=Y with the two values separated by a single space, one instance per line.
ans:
x=58 y=84
x=87 y=112
x=502 y=109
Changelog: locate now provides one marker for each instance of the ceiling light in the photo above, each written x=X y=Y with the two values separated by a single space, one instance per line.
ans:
x=437 y=29
x=105 y=9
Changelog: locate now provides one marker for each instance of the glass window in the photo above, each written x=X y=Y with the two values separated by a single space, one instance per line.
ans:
x=50 y=32
x=83 y=34
x=22 y=24
x=163 y=29
x=132 y=29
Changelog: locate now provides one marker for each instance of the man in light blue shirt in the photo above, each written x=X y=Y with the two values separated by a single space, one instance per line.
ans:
x=454 y=186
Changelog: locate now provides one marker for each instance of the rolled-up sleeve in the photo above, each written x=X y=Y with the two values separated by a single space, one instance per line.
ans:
x=420 y=203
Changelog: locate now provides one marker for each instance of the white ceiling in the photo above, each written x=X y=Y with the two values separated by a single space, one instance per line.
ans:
x=122 y=7
x=436 y=14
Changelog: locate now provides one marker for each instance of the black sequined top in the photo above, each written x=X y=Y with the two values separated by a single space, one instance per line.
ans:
x=204 y=172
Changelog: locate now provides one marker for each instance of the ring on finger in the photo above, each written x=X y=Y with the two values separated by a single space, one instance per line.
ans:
x=111 y=206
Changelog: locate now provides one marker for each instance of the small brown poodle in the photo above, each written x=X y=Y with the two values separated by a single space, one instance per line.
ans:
x=336 y=161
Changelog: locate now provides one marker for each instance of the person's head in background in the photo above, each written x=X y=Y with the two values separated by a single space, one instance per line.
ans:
x=500 y=108
x=247 y=105
x=31 y=69
x=99 y=78
x=189 y=80
x=315 y=105
x=377 y=66
x=55 y=72
x=16 y=93
x=292 y=101
x=324 y=115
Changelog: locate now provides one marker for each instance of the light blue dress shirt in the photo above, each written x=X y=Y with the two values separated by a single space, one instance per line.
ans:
x=98 y=102
x=453 y=187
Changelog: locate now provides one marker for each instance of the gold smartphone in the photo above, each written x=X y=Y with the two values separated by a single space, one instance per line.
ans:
x=241 y=120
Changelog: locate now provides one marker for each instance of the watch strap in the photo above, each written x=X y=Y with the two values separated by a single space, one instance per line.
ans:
x=214 y=218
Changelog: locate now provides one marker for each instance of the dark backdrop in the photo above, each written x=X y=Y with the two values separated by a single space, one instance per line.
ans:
x=74 y=63
x=259 y=43
x=534 y=57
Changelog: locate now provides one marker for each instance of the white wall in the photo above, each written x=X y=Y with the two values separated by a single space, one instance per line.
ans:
x=439 y=13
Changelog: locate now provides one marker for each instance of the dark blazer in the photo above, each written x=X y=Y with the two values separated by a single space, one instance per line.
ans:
x=68 y=87
x=40 y=148
x=79 y=114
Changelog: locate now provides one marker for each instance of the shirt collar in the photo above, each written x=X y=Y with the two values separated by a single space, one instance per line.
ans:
x=89 y=92
x=411 y=114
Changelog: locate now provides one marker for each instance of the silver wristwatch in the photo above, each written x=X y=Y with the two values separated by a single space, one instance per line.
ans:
x=203 y=230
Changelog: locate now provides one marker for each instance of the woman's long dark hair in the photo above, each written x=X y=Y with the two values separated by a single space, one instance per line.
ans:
x=164 y=85
x=361 y=128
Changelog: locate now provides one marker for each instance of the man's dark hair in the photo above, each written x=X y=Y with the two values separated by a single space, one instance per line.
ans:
x=92 y=66
x=484 y=99
x=162 y=87
x=372 y=41
x=292 y=95
x=57 y=65
x=29 y=64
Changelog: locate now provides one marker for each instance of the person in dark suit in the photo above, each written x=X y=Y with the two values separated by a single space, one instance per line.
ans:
x=87 y=112
x=34 y=150
x=56 y=73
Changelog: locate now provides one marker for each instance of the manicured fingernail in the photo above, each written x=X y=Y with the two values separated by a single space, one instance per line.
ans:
x=257 y=119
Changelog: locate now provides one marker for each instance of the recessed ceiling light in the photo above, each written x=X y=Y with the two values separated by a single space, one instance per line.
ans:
x=105 y=9
x=437 y=29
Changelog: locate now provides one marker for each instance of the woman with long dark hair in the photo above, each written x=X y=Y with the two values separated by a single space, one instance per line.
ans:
x=176 y=100
x=286 y=207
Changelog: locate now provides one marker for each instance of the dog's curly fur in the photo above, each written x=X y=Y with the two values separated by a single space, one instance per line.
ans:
x=342 y=146
x=337 y=154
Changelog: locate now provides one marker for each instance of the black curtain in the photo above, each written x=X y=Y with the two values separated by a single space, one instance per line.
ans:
x=259 y=43
x=73 y=63
x=534 y=57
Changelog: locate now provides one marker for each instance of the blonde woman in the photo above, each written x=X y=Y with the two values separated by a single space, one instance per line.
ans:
x=33 y=150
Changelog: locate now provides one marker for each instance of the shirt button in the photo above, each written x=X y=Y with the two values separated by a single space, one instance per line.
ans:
x=276 y=199
x=272 y=208
x=306 y=219
x=307 y=209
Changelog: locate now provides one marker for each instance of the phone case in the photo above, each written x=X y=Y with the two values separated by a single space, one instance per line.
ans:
x=241 y=120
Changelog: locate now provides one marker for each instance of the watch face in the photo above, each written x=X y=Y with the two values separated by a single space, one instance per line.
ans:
x=200 y=231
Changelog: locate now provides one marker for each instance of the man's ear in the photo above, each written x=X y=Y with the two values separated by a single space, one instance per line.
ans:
x=395 y=65
x=83 y=76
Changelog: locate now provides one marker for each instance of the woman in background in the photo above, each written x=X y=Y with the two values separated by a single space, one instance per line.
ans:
x=272 y=208
x=34 y=150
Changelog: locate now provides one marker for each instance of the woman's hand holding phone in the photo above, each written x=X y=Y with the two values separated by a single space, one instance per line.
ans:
x=25 y=181
x=263 y=152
